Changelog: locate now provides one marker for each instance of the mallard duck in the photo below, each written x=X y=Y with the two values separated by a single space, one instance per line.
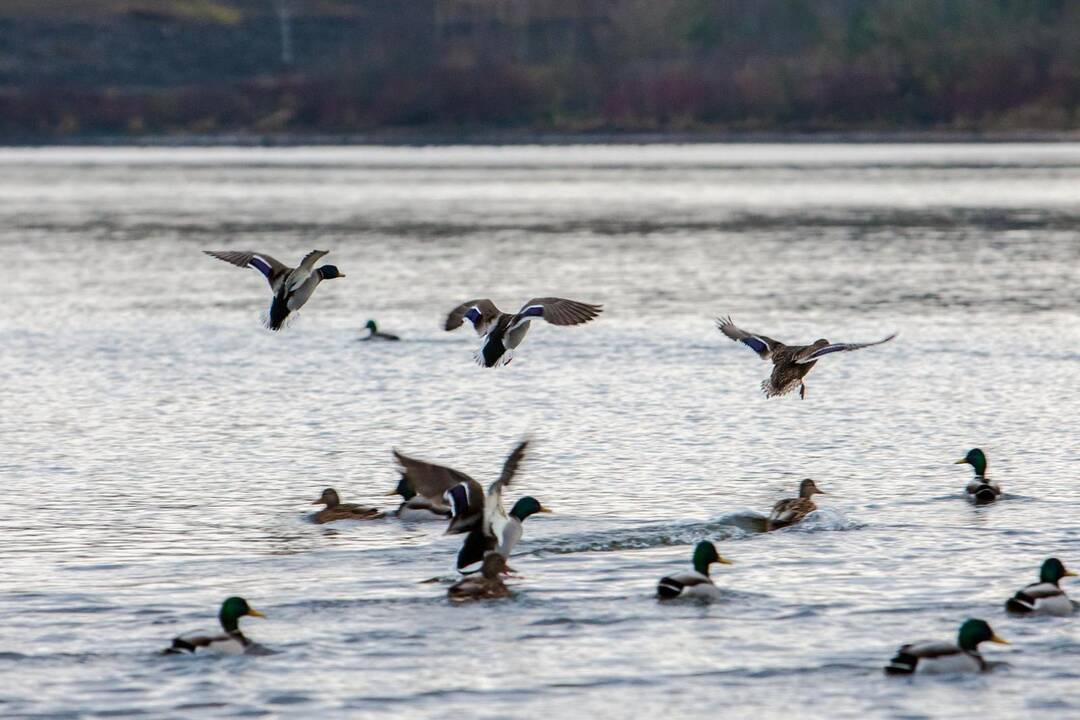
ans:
x=233 y=642
x=485 y=520
x=944 y=657
x=488 y=585
x=505 y=331
x=695 y=583
x=292 y=287
x=375 y=334
x=980 y=490
x=417 y=507
x=337 y=510
x=791 y=363
x=792 y=510
x=1044 y=597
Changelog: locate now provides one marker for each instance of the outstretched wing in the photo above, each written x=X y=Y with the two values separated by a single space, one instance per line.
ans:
x=481 y=313
x=441 y=484
x=810 y=355
x=558 y=311
x=509 y=468
x=760 y=344
x=303 y=271
x=428 y=479
x=268 y=266
x=494 y=512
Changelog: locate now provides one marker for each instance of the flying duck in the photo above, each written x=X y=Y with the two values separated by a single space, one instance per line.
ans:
x=695 y=583
x=792 y=510
x=488 y=585
x=417 y=507
x=375 y=334
x=791 y=363
x=980 y=490
x=292 y=287
x=484 y=520
x=337 y=510
x=232 y=642
x=1044 y=597
x=944 y=657
x=505 y=331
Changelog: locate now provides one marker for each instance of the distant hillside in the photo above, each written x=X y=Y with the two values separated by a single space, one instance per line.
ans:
x=176 y=67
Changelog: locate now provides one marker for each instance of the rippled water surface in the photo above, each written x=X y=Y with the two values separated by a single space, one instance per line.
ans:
x=159 y=450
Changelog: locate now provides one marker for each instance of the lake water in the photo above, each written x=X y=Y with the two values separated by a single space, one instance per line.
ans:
x=159 y=450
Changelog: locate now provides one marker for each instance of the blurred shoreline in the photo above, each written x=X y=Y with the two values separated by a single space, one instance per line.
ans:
x=553 y=139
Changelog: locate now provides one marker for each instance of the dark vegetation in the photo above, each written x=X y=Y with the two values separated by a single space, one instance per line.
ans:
x=448 y=67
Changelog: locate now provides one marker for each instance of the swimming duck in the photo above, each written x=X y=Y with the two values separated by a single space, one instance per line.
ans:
x=292 y=287
x=696 y=583
x=505 y=331
x=944 y=657
x=337 y=510
x=375 y=334
x=792 y=510
x=487 y=525
x=488 y=585
x=1044 y=597
x=980 y=490
x=417 y=507
x=791 y=363
x=233 y=642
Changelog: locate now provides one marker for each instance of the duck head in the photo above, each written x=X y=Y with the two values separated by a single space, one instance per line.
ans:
x=808 y=487
x=1053 y=570
x=976 y=459
x=973 y=632
x=330 y=272
x=370 y=325
x=705 y=555
x=494 y=565
x=527 y=506
x=404 y=489
x=329 y=498
x=232 y=610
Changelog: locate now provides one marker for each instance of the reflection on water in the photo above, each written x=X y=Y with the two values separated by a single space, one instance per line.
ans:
x=160 y=450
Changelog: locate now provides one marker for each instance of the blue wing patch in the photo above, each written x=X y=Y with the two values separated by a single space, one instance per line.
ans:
x=755 y=344
x=532 y=311
x=261 y=265
x=458 y=498
x=473 y=315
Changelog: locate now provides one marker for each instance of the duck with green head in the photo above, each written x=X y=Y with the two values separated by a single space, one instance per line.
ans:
x=375 y=334
x=980 y=490
x=1044 y=597
x=696 y=583
x=292 y=286
x=232 y=642
x=945 y=657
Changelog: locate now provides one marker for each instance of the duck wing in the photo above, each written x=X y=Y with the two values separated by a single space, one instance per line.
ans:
x=557 y=311
x=908 y=656
x=302 y=272
x=494 y=512
x=273 y=270
x=810 y=355
x=1034 y=596
x=461 y=493
x=481 y=313
x=428 y=479
x=757 y=342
